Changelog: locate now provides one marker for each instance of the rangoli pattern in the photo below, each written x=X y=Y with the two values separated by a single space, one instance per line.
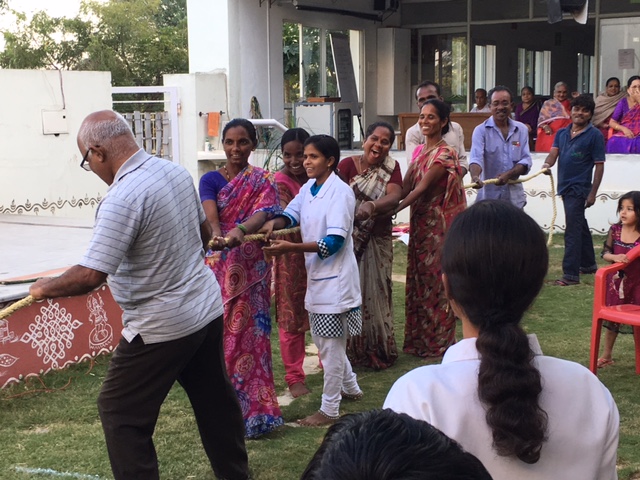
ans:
x=51 y=333
x=102 y=333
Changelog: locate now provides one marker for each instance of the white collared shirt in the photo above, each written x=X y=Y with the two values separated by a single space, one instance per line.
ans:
x=583 y=417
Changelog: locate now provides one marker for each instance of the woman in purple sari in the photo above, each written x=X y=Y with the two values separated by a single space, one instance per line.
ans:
x=527 y=112
x=237 y=199
x=625 y=121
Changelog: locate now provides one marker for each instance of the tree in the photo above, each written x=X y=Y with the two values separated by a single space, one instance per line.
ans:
x=136 y=40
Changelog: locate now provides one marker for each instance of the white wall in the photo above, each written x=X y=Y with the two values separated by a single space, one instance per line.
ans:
x=253 y=48
x=38 y=170
x=199 y=93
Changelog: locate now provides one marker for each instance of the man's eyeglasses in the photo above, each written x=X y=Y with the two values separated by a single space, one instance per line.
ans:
x=500 y=104
x=84 y=164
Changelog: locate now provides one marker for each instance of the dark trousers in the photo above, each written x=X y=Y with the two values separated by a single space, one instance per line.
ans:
x=578 y=244
x=137 y=382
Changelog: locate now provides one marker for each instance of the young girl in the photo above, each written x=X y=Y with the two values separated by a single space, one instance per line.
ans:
x=624 y=287
x=324 y=209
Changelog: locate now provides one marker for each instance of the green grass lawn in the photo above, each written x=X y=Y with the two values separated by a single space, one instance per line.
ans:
x=59 y=429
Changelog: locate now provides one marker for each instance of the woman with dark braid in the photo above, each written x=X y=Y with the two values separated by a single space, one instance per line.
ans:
x=525 y=416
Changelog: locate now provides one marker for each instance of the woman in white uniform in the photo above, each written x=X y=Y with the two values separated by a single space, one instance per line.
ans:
x=525 y=416
x=324 y=208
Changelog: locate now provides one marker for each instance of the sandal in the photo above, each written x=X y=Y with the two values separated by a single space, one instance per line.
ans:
x=605 y=362
x=565 y=282
x=352 y=396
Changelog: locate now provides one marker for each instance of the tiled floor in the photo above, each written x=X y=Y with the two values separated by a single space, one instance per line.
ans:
x=33 y=245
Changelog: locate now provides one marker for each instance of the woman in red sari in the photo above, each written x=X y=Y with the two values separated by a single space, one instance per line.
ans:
x=289 y=272
x=433 y=188
x=238 y=199
x=554 y=115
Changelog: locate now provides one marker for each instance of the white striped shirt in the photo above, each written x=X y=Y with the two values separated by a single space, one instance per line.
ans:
x=147 y=240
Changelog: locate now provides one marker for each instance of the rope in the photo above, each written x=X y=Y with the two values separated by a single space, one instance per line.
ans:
x=493 y=181
x=259 y=236
x=11 y=309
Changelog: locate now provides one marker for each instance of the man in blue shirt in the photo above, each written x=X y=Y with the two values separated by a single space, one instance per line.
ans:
x=579 y=148
x=500 y=149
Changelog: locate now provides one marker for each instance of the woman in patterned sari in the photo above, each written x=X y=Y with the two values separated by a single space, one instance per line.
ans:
x=625 y=121
x=238 y=199
x=554 y=115
x=433 y=188
x=377 y=183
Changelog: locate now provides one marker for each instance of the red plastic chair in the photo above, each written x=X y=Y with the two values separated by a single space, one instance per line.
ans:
x=625 y=314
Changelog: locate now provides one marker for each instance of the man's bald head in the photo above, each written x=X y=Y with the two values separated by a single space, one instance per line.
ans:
x=101 y=127
x=106 y=141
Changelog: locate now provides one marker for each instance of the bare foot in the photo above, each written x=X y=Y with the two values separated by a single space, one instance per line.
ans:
x=299 y=389
x=317 y=420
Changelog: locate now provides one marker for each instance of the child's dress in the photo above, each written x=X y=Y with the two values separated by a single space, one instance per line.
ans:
x=623 y=286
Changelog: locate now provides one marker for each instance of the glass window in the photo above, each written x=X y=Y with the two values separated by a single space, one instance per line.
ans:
x=444 y=59
x=309 y=70
x=534 y=70
x=485 y=66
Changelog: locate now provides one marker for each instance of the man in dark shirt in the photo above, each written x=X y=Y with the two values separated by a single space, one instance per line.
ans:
x=579 y=148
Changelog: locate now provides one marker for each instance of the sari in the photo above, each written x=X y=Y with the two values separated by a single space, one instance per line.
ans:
x=605 y=105
x=529 y=116
x=430 y=324
x=244 y=277
x=375 y=347
x=556 y=115
x=627 y=117
x=290 y=288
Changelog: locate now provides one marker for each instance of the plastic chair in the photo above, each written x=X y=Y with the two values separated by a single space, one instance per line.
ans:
x=625 y=314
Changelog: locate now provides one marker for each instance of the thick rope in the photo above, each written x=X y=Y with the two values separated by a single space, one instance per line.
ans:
x=493 y=181
x=259 y=236
x=25 y=302
x=11 y=309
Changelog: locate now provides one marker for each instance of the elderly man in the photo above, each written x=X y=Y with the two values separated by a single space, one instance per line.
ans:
x=454 y=137
x=500 y=149
x=148 y=241
x=481 y=102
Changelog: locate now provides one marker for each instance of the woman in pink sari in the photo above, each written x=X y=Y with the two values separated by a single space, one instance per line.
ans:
x=238 y=199
x=554 y=115
x=625 y=121
x=289 y=272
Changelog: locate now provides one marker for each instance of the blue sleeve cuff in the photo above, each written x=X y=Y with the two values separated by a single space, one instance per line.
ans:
x=329 y=245
x=292 y=221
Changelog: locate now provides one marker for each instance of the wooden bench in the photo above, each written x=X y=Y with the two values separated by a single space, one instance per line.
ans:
x=468 y=121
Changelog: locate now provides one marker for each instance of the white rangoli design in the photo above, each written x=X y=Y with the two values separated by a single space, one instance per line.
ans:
x=7 y=360
x=6 y=336
x=102 y=333
x=51 y=333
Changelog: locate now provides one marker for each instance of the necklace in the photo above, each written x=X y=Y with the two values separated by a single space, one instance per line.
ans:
x=361 y=165
x=434 y=147
x=226 y=173
x=574 y=132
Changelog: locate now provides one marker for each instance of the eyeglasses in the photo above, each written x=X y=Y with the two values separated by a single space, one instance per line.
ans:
x=500 y=104
x=84 y=164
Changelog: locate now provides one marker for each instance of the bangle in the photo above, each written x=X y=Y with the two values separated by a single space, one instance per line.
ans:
x=374 y=206
x=546 y=165
x=242 y=228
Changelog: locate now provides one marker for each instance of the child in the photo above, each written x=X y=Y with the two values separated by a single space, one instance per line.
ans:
x=624 y=286
x=324 y=209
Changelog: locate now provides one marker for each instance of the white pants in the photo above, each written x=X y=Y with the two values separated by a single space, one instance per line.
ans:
x=338 y=374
